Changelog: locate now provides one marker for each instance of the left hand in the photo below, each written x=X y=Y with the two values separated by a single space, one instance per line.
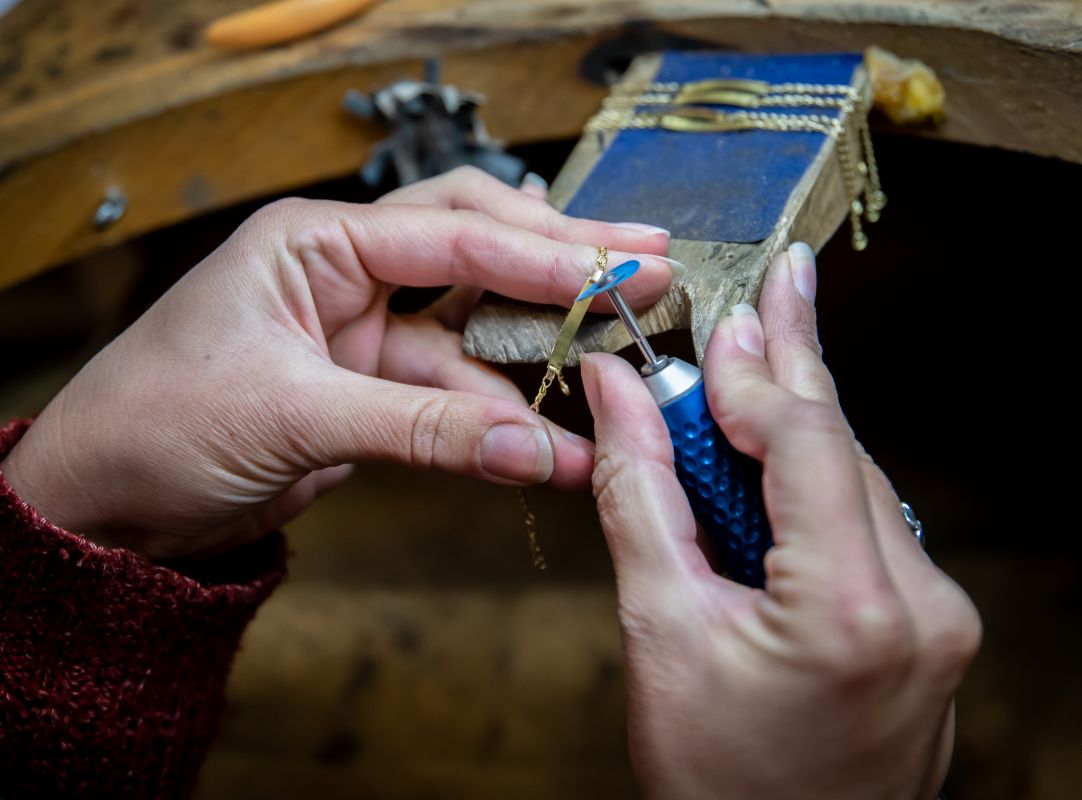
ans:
x=225 y=409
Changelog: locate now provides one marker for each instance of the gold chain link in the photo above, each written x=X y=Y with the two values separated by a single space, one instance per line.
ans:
x=680 y=108
x=697 y=119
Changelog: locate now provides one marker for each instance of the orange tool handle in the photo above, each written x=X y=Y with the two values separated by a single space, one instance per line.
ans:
x=281 y=21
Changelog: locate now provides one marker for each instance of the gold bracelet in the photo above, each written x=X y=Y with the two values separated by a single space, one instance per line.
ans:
x=554 y=372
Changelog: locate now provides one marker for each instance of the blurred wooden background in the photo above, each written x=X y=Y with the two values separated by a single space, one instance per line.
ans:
x=414 y=652
x=125 y=94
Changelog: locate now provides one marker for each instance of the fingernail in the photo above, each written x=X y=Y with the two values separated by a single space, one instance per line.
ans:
x=802 y=269
x=517 y=452
x=652 y=230
x=748 y=330
x=533 y=179
x=678 y=269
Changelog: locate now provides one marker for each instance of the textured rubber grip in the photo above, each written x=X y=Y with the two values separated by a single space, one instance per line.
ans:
x=724 y=487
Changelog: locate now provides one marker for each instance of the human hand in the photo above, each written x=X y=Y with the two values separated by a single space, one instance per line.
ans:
x=834 y=682
x=234 y=401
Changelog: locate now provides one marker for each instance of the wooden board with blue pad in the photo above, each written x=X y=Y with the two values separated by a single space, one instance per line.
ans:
x=731 y=200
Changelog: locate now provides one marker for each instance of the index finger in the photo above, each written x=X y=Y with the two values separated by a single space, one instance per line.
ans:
x=471 y=189
x=343 y=247
x=426 y=246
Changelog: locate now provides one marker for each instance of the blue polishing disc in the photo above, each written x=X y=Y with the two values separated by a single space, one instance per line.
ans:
x=613 y=277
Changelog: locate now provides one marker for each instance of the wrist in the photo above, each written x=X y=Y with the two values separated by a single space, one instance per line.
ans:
x=34 y=469
x=11 y=435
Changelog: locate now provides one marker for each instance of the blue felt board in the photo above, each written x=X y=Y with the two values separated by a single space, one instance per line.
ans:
x=720 y=187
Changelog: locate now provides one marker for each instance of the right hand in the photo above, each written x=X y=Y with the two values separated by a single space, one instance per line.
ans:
x=836 y=681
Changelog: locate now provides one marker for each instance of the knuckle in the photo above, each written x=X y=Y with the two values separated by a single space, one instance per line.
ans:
x=620 y=482
x=606 y=468
x=739 y=407
x=954 y=636
x=465 y=242
x=550 y=223
x=475 y=239
x=468 y=174
x=783 y=566
x=287 y=208
x=613 y=469
x=431 y=432
x=872 y=473
x=301 y=226
x=553 y=271
x=802 y=414
x=876 y=639
x=801 y=334
x=475 y=185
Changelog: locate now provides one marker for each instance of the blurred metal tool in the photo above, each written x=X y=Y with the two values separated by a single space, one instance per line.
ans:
x=433 y=129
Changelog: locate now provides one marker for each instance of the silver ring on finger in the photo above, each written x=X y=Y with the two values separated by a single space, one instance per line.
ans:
x=914 y=524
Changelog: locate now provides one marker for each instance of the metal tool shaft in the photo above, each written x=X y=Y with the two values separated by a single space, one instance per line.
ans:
x=632 y=325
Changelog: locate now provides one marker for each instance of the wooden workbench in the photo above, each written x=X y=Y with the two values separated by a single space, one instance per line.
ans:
x=125 y=94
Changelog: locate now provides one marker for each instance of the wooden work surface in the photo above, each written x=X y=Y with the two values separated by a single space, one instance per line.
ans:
x=124 y=93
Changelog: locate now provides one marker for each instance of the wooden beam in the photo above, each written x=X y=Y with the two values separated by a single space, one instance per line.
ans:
x=124 y=94
x=77 y=69
x=259 y=141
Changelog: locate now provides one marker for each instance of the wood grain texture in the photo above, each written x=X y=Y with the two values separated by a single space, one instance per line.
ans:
x=719 y=274
x=125 y=93
x=259 y=141
x=72 y=69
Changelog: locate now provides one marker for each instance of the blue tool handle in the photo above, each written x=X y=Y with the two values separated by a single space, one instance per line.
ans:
x=724 y=487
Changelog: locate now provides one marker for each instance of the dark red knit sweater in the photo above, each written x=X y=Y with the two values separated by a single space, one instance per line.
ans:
x=112 y=669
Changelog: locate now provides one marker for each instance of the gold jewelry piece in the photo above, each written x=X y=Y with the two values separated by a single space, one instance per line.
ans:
x=691 y=119
x=554 y=371
x=749 y=94
x=618 y=111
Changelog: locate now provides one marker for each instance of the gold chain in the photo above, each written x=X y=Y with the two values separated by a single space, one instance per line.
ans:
x=529 y=519
x=682 y=111
x=554 y=372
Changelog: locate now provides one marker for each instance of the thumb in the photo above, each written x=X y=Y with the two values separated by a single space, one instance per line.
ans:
x=361 y=418
x=644 y=512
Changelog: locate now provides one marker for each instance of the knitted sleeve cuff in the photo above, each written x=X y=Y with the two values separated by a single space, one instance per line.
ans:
x=112 y=669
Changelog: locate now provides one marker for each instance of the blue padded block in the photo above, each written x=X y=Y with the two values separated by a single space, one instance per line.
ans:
x=718 y=187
